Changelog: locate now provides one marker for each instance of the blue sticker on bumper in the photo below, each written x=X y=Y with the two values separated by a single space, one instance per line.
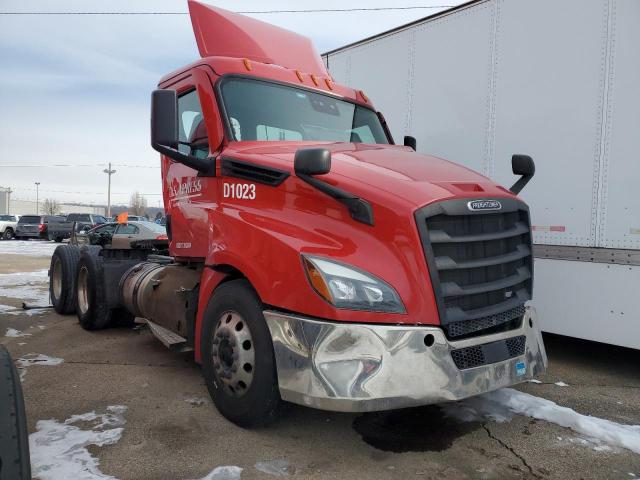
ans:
x=521 y=368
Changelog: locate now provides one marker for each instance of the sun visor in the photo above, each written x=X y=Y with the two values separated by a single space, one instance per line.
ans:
x=226 y=34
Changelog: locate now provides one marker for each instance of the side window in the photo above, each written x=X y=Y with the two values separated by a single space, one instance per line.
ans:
x=192 y=131
x=106 y=229
x=126 y=229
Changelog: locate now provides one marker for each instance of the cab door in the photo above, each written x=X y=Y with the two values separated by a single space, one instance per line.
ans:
x=189 y=196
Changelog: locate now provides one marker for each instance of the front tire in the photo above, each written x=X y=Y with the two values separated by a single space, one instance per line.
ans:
x=62 y=281
x=14 y=438
x=8 y=234
x=237 y=356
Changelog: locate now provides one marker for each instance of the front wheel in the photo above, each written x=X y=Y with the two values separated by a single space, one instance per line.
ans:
x=8 y=234
x=237 y=356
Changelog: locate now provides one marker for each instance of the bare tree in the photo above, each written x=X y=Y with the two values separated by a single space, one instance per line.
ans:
x=51 y=207
x=137 y=204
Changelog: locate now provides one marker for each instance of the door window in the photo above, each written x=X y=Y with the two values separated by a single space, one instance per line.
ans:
x=192 y=131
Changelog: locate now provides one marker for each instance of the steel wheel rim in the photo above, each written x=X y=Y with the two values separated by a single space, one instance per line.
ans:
x=83 y=290
x=233 y=353
x=56 y=279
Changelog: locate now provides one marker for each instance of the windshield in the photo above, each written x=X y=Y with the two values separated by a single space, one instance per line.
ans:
x=258 y=110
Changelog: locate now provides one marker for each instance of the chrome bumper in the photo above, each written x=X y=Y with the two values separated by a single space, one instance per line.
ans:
x=350 y=367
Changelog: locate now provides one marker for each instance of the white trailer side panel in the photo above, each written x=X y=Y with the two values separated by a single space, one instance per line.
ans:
x=451 y=75
x=559 y=81
x=382 y=81
x=594 y=301
x=550 y=70
x=619 y=225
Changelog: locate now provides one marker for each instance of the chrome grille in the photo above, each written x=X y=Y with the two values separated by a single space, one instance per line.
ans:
x=480 y=264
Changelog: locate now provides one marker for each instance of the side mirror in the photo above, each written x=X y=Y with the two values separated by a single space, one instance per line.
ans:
x=164 y=118
x=164 y=132
x=410 y=142
x=312 y=161
x=522 y=165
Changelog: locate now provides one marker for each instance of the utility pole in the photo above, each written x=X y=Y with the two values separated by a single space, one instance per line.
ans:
x=109 y=172
x=9 y=192
x=37 y=198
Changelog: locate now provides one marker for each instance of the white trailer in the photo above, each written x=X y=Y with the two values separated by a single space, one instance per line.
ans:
x=558 y=80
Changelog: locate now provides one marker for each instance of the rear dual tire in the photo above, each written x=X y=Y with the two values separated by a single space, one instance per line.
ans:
x=62 y=278
x=238 y=362
x=92 y=307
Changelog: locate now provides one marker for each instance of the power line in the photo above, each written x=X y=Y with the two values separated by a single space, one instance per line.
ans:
x=68 y=165
x=317 y=10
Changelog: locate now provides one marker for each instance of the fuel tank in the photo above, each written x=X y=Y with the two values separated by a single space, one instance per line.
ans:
x=165 y=294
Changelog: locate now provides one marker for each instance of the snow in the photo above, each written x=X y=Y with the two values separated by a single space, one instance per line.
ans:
x=33 y=248
x=12 y=332
x=278 y=468
x=59 y=450
x=533 y=380
x=561 y=384
x=35 y=359
x=31 y=287
x=196 y=401
x=228 y=472
x=503 y=404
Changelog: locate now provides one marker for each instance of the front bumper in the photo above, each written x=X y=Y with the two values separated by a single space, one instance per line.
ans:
x=369 y=367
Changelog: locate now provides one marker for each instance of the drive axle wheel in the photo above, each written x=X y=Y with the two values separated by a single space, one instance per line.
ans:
x=237 y=356
x=62 y=281
x=91 y=297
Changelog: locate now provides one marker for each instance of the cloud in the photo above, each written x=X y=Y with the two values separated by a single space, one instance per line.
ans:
x=75 y=89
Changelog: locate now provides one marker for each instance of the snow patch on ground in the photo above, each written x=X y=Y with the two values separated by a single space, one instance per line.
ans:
x=533 y=380
x=59 y=450
x=503 y=404
x=561 y=384
x=29 y=286
x=227 y=472
x=278 y=468
x=196 y=401
x=33 y=248
x=12 y=332
x=35 y=359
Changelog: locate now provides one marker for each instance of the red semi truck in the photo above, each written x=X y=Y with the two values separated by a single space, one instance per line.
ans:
x=310 y=259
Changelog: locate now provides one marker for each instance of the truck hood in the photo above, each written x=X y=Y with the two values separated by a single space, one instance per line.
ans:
x=368 y=170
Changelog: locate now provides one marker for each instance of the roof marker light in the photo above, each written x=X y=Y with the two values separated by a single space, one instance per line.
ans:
x=314 y=79
x=329 y=84
x=247 y=64
x=364 y=97
x=299 y=75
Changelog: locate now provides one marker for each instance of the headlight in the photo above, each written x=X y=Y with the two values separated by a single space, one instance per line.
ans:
x=347 y=287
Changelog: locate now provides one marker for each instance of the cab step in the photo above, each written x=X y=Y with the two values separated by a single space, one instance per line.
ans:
x=169 y=339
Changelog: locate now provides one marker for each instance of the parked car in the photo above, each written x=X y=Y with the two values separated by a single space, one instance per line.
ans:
x=122 y=234
x=59 y=230
x=35 y=226
x=8 y=224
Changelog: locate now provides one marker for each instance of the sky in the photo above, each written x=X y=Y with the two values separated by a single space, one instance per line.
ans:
x=75 y=90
